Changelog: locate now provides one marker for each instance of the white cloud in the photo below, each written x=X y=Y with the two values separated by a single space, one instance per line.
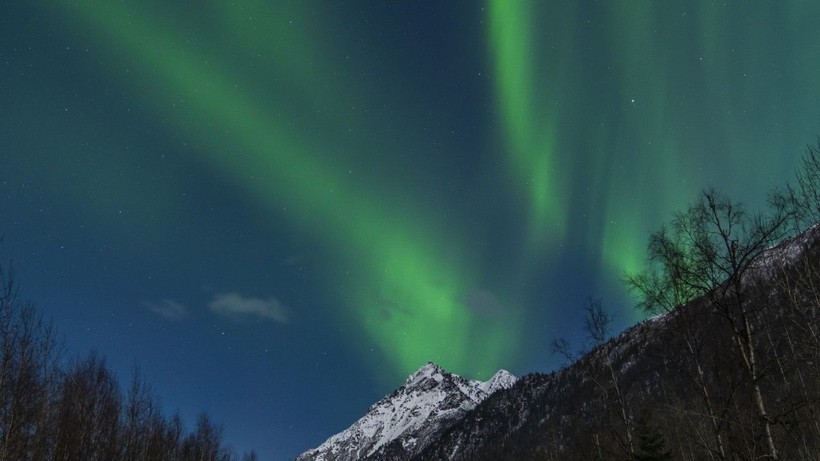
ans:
x=235 y=306
x=171 y=310
x=483 y=302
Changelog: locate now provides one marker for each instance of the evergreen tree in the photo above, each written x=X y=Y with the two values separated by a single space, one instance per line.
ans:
x=651 y=442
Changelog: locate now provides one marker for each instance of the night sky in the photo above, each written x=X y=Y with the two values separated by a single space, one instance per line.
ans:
x=280 y=209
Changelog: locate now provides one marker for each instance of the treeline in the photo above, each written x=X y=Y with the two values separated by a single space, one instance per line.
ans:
x=79 y=412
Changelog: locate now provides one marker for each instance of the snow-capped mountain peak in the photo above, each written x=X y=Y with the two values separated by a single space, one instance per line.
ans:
x=428 y=371
x=404 y=422
x=502 y=379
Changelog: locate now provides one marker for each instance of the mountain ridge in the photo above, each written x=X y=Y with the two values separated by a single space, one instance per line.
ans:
x=403 y=422
x=572 y=413
x=654 y=379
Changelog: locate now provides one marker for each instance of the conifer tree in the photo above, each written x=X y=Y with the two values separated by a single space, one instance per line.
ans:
x=651 y=444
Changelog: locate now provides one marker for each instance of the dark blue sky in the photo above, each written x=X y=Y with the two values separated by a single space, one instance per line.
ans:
x=281 y=209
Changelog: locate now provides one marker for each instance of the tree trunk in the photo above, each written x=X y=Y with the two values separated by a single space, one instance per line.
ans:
x=746 y=345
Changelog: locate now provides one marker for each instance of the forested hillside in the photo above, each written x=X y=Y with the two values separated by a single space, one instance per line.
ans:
x=727 y=367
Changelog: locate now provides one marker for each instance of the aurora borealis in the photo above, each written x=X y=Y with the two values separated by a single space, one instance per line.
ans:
x=281 y=208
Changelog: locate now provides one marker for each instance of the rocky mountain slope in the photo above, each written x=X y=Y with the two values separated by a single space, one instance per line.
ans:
x=676 y=378
x=406 y=421
x=672 y=387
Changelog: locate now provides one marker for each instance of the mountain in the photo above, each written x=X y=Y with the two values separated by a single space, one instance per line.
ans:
x=406 y=421
x=728 y=375
x=674 y=386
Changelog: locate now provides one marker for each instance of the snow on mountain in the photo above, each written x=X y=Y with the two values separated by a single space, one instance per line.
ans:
x=502 y=379
x=430 y=401
x=556 y=415
x=784 y=253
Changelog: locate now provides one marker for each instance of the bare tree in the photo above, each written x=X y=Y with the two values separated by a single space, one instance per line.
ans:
x=806 y=193
x=598 y=324
x=661 y=289
x=711 y=250
x=250 y=456
x=562 y=347
x=89 y=412
x=797 y=333
x=205 y=443
x=48 y=413
x=170 y=442
x=141 y=420
x=28 y=371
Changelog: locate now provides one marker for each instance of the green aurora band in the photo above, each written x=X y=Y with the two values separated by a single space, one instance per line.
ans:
x=409 y=282
x=530 y=124
x=672 y=95
x=621 y=112
x=618 y=113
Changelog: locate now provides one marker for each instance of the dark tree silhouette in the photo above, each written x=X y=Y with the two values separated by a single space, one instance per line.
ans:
x=805 y=195
x=80 y=413
x=28 y=375
x=709 y=251
x=651 y=443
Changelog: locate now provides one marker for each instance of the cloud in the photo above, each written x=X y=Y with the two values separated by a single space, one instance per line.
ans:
x=235 y=306
x=483 y=302
x=171 y=310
